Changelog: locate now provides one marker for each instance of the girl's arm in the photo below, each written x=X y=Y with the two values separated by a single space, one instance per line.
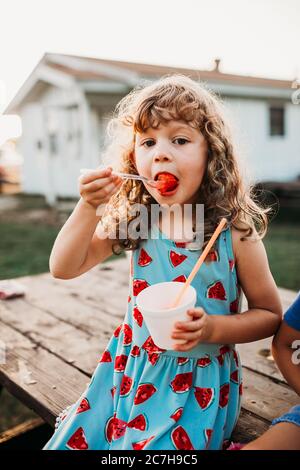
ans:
x=286 y=352
x=77 y=247
x=264 y=313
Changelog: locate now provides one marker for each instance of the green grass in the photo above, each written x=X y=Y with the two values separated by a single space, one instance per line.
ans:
x=25 y=248
x=13 y=412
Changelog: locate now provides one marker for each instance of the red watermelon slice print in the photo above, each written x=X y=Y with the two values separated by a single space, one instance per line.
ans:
x=139 y=423
x=127 y=339
x=126 y=386
x=143 y=393
x=180 y=439
x=153 y=357
x=181 y=278
x=220 y=359
x=115 y=429
x=204 y=397
x=234 y=306
x=182 y=382
x=139 y=285
x=151 y=347
x=225 y=349
x=216 y=291
x=152 y=350
x=117 y=331
x=141 y=444
x=213 y=256
x=120 y=363
x=203 y=362
x=78 y=440
x=84 y=406
x=135 y=352
x=138 y=316
x=180 y=244
x=176 y=258
x=144 y=258
x=106 y=357
x=208 y=435
x=234 y=377
x=235 y=357
x=224 y=395
x=182 y=360
x=177 y=414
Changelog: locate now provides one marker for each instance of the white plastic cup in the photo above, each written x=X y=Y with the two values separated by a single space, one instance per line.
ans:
x=153 y=302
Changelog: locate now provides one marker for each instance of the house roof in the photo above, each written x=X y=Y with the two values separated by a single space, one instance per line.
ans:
x=159 y=70
x=65 y=70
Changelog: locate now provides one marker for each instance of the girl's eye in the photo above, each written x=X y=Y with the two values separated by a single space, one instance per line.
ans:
x=182 y=140
x=148 y=142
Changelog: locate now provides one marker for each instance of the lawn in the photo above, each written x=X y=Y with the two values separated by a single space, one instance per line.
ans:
x=25 y=249
x=283 y=248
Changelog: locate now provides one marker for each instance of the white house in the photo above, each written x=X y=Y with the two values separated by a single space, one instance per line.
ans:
x=66 y=101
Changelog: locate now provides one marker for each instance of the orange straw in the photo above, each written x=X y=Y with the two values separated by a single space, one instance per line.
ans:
x=199 y=262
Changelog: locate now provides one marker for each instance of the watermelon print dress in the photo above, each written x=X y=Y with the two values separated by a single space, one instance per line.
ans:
x=143 y=397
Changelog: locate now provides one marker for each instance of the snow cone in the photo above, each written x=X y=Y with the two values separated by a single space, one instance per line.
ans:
x=154 y=302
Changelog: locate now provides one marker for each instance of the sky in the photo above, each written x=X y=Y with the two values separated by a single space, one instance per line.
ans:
x=251 y=37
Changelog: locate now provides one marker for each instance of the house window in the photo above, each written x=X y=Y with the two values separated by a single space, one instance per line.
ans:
x=53 y=144
x=276 y=114
x=73 y=132
x=39 y=144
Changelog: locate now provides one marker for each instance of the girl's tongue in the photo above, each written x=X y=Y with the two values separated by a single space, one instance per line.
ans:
x=167 y=182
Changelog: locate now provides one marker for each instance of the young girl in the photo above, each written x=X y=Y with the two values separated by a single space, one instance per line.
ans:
x=188 y=397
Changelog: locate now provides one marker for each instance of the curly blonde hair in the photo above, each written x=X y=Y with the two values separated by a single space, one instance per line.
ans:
x=223 y=191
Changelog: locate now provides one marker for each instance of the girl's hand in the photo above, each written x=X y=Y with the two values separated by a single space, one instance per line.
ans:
x=98 y=186
x=199 y=329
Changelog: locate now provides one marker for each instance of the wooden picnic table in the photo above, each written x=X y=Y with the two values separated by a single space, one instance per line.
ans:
x=54 y=337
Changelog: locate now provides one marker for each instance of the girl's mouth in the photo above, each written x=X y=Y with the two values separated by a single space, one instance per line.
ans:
x=168 y=183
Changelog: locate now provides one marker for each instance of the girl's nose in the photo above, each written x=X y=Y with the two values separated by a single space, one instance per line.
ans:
x=162 y=157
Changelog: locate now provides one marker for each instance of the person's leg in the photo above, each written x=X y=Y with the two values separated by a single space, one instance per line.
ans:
x=281 y=436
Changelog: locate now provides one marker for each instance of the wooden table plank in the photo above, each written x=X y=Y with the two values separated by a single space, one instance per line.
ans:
x=88 y=302
x=62 y=339
x=31 y=372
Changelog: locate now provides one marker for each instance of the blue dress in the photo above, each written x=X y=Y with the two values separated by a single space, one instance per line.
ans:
x=144 y=397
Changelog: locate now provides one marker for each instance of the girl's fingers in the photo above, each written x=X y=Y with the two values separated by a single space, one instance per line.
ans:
x=100 y=197
x=186 y=347
x=189 y=326
x=94 y=174
x=196 y=312
x=104 y=193
x=106 y=184
x=187 y=336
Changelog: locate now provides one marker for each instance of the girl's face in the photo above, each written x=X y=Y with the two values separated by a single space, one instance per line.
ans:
x=175 y=148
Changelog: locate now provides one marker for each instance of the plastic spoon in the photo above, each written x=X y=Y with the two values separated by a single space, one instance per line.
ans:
x=149 y=181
